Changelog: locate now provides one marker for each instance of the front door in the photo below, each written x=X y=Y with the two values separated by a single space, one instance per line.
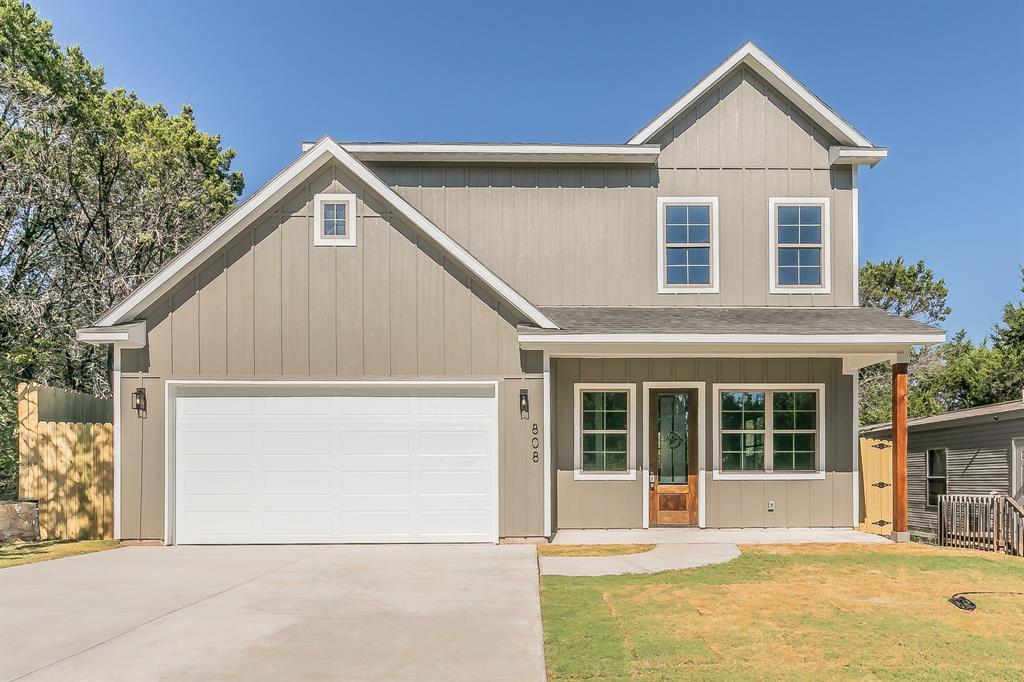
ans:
x=673 y=448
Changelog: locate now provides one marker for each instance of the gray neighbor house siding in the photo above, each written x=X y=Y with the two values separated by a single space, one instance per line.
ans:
x=978 y=461
x=272 y=306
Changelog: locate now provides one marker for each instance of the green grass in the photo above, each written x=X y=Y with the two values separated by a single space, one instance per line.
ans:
x=807 y=612
x=44 y=550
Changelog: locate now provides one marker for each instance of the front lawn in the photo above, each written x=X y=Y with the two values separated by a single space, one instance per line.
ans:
x=44 y=550
x=795 y=612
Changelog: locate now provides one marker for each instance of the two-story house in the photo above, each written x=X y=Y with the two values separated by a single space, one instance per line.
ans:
x=463 y=342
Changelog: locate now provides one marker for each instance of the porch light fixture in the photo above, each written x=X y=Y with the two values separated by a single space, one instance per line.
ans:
x=139 y=401
x=524 y=404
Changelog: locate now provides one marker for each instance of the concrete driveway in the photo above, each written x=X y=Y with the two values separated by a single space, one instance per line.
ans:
x=409 y=612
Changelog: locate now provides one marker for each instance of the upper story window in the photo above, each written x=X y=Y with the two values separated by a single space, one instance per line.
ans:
x=799 y=252
x=688 y=245
x=334 y=220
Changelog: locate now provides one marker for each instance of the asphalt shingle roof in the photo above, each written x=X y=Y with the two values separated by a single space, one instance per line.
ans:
x=680 y=320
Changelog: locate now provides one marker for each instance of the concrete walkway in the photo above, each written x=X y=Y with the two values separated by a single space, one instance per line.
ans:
x=667 y=557
x=398 y=612
x=737 y=536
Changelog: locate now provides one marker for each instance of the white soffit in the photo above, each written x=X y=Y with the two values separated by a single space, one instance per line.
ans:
x=275 y=190
x=515 y=153
x=131 y=335
x=766 y=67
x=856 y=156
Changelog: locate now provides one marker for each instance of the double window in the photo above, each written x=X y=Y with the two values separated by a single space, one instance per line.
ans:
x=770 y=430
x=935 y=476
x=604 y=432
x=799 y=251
x=688 y=244
x=334 y=220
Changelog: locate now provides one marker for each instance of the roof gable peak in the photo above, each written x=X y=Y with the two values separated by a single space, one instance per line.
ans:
x=756 y=59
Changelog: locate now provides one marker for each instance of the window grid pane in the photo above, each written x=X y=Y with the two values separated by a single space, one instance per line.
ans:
x=777 y=426
x=688 y=244
x=333 y=220
x=605 y=431
x=799 y=225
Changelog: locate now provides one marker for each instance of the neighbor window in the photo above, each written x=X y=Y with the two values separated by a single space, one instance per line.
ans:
x=334 y=219
x=604 y=414
x=799 y=245
x=688 y=244
x=764 y=430
x=936 y=476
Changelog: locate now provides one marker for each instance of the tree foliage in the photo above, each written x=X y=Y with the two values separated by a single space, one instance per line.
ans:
x=953 y=376
x=97 y=190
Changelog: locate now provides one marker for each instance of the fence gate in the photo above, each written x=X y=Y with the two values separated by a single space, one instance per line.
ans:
x=876 y=486
x=66 y=461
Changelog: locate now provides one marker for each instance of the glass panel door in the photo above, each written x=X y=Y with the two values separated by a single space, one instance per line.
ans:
x=673 y=438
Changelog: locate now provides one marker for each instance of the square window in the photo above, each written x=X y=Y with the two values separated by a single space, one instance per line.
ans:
x=334 y=220
x=774 y=430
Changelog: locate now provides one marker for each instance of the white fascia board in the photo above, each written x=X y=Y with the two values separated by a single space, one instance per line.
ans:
x=131 y=335
x=554 y=153
x=752 y=56
x=856 y=156
x=276 y=189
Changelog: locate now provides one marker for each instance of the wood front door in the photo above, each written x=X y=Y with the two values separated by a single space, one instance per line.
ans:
x=673 y=448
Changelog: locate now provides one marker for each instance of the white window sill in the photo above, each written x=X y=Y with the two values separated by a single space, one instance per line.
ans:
x=580 y=476
x=779 y=289
x=669 y=289
x=773 y=476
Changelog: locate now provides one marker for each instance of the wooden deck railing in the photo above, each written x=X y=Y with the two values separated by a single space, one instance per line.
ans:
x=994 y=523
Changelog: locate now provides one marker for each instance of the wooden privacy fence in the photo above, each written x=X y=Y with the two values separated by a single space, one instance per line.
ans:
x=66 y=461
x=876 y=486
x=989 y=522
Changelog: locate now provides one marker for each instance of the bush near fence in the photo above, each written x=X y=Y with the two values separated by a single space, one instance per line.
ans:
x=66 y=461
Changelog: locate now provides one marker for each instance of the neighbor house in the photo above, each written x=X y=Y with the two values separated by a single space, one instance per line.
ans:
x=412 y=342
x=976 y=451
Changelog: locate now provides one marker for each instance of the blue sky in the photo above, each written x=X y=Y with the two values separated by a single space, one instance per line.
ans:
x=940 y=84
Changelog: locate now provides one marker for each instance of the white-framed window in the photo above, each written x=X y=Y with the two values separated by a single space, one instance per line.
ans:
x=334 y=220
x=603 y=432
x=799 y=253
x=688 y=258
x=769 y=431
x=935 y=475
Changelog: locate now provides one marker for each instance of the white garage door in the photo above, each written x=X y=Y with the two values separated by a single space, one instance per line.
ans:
x=360 y=465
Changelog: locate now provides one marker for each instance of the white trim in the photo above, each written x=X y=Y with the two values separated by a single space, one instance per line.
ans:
x=520 y=153
x=856 y=450
x=116 y=395
x=171 y=387
x=856 y=156
x=276 y=189
x=577 y=455
x=647 y=386
x=351 y=219
x=719 y=475
x=855 y=210
x=766 y=339
x=826 y=245
x=548 y=473
x=752 y=56
x=1016 y=453
x=715 y=259
x=130 y=335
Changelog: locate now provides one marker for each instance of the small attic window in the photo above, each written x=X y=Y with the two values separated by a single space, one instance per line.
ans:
x=334 y=220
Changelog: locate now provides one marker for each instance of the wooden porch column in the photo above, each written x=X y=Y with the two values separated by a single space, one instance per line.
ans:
x=900 y=532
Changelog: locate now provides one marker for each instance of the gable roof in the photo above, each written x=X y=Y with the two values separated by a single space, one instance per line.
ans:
x=753 y=57
x=278 y=187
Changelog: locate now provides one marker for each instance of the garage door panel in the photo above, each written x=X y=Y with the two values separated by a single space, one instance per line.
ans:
x=342 y=468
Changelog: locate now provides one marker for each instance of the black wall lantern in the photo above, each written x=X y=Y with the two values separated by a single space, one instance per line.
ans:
x=524 y=403
x=139 y=401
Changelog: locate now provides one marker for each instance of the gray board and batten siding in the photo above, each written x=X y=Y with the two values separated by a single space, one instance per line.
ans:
x=586 y=235
x=272 y=306
x=729 y=504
